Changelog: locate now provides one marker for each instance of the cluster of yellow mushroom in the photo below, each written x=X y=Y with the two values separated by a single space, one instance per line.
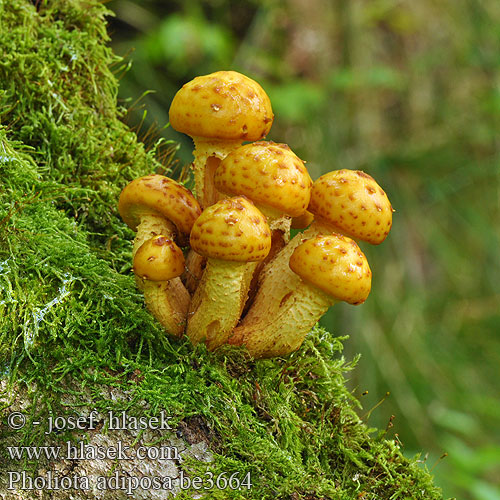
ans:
x=240 y=279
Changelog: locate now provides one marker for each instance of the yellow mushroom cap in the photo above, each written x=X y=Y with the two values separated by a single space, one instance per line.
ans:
x=232 y=229
x=161 y=196
x=353 y=202
x=335 y=265
x=159 y=259
x=270 y=174
x=224 y=105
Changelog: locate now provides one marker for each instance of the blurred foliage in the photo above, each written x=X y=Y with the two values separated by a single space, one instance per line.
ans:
x=410 y=93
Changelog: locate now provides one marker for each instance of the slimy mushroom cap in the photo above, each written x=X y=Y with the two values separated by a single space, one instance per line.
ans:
x=160 y=196
x=335 y=265
x=353 y=202
x=225 y=105
x=270 y=174
x=159 y=259
x=233 y=229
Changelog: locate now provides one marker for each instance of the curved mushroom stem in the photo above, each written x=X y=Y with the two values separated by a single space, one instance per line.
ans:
x=208 y=153
x=218 y=301
x=168 y=302
x=278 y=335
x=277 y=280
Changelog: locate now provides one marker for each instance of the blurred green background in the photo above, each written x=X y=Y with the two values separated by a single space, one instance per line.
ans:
x=410 y=93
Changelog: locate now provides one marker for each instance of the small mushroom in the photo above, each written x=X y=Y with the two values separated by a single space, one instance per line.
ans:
x=155 y=205
x=331 y=269
x=344 y=201
x=234 y=236
x=157 y=262
x=219 y=111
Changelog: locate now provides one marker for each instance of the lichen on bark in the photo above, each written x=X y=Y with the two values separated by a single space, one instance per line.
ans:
x=74 y=333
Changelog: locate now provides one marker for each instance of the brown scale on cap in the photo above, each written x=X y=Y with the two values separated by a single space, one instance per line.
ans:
x=352 y=202
x=233 y=229
x=270 y=174
x=225 y=105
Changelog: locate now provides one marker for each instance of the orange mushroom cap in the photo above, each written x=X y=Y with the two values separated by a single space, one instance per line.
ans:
x=225 y=105
x=270 y=174
x=159 y=259
x=335 y=265
x=233 y=229
x=353 y=202
x=161 y=196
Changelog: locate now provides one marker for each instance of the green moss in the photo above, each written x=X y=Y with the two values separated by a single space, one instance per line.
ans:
x=72 y=321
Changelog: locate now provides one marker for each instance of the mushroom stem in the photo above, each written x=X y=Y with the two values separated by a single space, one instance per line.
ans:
x=218 y=301
x=284 y=332
x=208 y=154
x=152 y=225
x=280 y=235
x=168 y=302
x=195 y=265
x=276 y=280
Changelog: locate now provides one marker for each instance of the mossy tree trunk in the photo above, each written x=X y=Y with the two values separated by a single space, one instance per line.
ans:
x=75 y=337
